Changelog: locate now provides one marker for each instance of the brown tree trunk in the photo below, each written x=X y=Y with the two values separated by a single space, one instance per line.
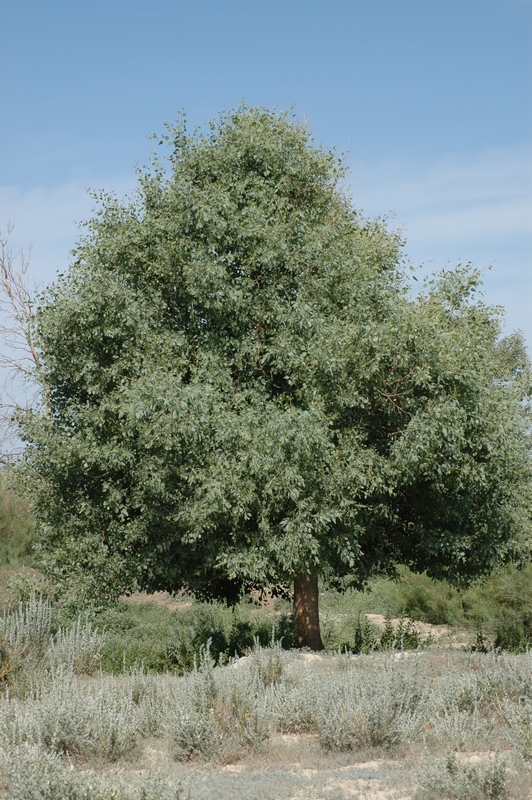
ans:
x=306 y=614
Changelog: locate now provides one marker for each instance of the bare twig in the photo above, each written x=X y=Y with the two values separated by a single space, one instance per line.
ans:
x=21 y=387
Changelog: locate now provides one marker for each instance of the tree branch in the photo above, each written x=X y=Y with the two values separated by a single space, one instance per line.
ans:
x=21 y=384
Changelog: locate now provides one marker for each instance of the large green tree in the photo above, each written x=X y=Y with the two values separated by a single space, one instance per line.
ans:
x=243 y=392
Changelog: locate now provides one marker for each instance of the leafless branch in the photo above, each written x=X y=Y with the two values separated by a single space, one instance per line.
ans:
x=20 y=365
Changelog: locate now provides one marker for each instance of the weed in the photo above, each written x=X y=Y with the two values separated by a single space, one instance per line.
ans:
x=266 y=664
x=293 y=706
x=218 y=715
x=403 y=636
x=79 y=646
x=65 y=716
x=480 y=646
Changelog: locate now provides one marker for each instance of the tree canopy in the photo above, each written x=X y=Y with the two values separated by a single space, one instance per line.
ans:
x=243 y=391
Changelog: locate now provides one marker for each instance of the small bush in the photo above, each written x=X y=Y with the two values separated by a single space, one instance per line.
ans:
x=381 y=711
x=266 y=664
x=451 y=780
x=218 y=718
x=66 y=715
x=80 y=647
x=403 y=636
x=294 y=707
x=518 y=719
x=33 y=774
x=340 y=635
x=29 y=646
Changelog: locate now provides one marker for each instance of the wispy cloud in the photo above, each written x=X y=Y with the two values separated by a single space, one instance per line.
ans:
x=493 y=187
x=48 y=217
x=476 y=209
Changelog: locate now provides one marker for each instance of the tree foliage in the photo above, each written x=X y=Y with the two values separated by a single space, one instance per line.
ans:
x=242 y=389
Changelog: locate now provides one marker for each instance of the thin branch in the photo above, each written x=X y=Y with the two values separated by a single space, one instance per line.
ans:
x=20 y=361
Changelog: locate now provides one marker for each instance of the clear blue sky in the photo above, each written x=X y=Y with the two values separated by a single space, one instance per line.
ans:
x=432 y=99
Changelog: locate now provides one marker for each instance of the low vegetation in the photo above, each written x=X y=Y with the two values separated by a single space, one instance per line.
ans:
x=182 y=699
x=434 y=722
x=16 y=529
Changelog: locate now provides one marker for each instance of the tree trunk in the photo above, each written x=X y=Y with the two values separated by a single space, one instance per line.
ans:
x=306 y=614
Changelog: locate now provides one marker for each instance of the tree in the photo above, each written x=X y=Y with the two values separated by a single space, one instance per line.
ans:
x=243 y=392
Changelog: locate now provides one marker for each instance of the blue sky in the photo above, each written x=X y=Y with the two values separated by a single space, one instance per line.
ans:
x=432 y=99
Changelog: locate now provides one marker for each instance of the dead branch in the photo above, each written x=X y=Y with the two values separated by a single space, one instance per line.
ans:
x=21 y=386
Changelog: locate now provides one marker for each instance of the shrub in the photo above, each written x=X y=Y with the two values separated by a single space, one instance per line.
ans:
x=218 y=718
x=29 y=645
x=66 y=716
x=380 y=711
x=294 y=706
x=515 y=636
x=403 y=636
x=518 y=719
x=451 y=780
x=33 y=774
x=430 y=600
x=17 y=530
x=80 y=647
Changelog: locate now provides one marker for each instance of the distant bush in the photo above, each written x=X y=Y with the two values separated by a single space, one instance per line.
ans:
x=499 y=606
x=429 y=600
x=164 y=640
x=17 y=529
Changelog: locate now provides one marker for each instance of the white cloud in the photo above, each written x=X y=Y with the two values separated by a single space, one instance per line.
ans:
x=477 y=209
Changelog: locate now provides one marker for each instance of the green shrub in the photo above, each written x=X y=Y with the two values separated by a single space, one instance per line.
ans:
x=163 y=640
x=499 y=605
x=403 y=636
x=429 y=600
x=17 y=529
x=23 y=582
x=515 y=636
